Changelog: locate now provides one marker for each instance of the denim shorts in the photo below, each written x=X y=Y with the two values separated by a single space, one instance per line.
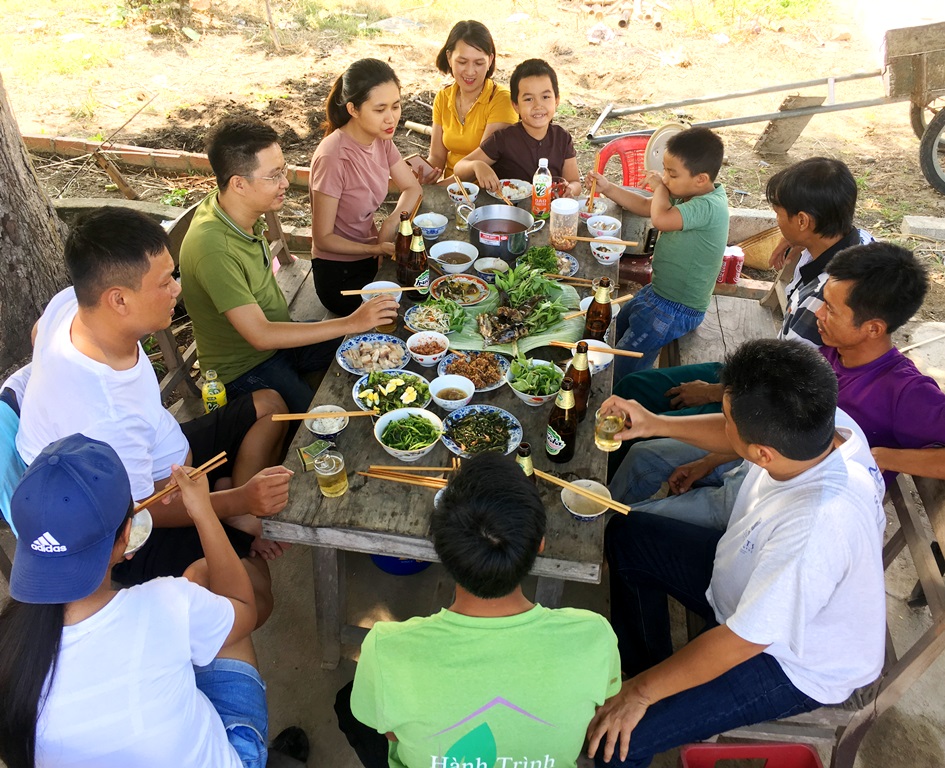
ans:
x=238 y=694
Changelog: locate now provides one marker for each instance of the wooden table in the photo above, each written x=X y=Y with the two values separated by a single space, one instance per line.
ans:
x=380 y=517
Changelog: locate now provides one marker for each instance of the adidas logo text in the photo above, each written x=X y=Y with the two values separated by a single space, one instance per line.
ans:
x=46 y=543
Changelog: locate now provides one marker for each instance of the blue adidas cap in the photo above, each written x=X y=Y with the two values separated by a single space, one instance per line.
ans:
x=67 y=509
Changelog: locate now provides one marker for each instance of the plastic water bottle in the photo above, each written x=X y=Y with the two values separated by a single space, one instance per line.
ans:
x=213 y=392
x=541 y=189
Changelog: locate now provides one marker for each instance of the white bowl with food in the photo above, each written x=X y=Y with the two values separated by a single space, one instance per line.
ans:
x=411 y=440
x=385 y=391
x=378 y=284
x=431 y=224
x=603 y=226
x=326 y=426
x=489 y=267
x=472 y=190
x=141 y=527
x=454 y=256
x=597 y=361
x=614 y=308
x=534 y=389
x=451 y=391
x=600 y=205
x=607 y=250
x=582 y=508
x=428 y=347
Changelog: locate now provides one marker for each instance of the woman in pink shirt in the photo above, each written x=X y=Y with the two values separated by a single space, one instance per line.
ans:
x=349 y=180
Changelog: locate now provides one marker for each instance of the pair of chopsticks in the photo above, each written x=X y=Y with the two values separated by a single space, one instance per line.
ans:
x=592 y=348
x=400 y=474
x=398 y=289
x=416 y=209
x=620 y=300
x=462 y=188
x=208 y=466
x=603 y=500
x=321 y=415
x=593 y=190
x=567 y=279
x=603 y=240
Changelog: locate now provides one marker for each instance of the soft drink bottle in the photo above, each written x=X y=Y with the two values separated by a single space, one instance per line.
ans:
x=213 y=392
x=541 y=189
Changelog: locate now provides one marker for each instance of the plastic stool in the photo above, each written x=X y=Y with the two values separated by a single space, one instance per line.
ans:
x=776 y=755
x=631 y=150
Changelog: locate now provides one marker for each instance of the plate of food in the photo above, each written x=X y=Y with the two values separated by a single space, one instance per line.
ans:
x=387 y=391
x=440 y=315
x=369 y=352
x=484 y=369
x=549 y=261
x=465 y=290
x=475 y=429
x=514 y=189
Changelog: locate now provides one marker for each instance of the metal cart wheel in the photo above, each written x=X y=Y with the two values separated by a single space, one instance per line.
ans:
x=920 y=116
x=932 y=152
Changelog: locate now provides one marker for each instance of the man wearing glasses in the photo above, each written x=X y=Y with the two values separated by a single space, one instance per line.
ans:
x=240 y=316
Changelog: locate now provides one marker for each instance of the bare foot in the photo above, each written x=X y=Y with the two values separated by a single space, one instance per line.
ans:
x=266 y=549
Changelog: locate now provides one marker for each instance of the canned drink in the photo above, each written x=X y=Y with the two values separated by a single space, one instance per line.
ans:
x=735 y=268
x=723 y=272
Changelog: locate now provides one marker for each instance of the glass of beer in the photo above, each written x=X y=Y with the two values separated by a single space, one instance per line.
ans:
x=331 y=475
x=605 y=427
x=365 y=297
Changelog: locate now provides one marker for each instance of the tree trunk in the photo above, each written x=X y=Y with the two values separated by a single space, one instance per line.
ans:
x=31 y=243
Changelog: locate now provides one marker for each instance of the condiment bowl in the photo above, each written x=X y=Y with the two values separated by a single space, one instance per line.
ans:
x=432 y=224
x=597 y=361
x=457 y=197
x=317 y=426
x=402 y=413
x=486 y=268
x=380 y=284
x=614 y=308
x=529 y=399
x=141 y=526
x=581 y=508
x=454 y=246
x=428 y=361
x=607 y=250
x=600 y=205
x=603 y=226
x=452 y=381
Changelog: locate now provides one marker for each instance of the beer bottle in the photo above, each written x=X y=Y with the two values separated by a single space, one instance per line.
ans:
x=562 y=425
x=524 y=460
x=413 y=270
x=598 y=316
x=404 y=236
x=579 y=373
x=213 y=392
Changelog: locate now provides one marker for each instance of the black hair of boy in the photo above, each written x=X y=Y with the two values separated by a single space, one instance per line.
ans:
x=532 y=68
x=699 y=150
x=233 y=144
x=111 y=247
x=821 y=187
x=782 y=394
x=488 y=526
x=888 y=282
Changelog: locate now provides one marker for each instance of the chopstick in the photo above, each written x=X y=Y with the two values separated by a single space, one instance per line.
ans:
x=610 y=503
x=362 y=291
x=502 y=195
x=423 y=482
x=384 y=468
x=322 y=415
x=462 y=188
x=567 y=279
x=416 y=208
x=591 y=348
x=593 y=190
x=620 y=300
x=208 y=466
x=607 y=238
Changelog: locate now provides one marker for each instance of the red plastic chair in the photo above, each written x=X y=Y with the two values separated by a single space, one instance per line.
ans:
x=631 y=150
x=775 y=755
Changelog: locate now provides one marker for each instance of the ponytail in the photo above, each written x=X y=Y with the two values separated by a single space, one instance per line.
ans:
x=30 y=637
x=354 y=87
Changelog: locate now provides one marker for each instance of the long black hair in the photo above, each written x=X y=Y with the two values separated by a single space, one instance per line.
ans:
x=30 y=638
x=473 y=33
x=354 y=87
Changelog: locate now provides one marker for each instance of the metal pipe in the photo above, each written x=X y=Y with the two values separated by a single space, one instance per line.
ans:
x=603 y=116
x=738 y=94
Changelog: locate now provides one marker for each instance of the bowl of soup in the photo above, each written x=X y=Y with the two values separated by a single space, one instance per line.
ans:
x=487 y=268
x=454 y=256
x=451 y=391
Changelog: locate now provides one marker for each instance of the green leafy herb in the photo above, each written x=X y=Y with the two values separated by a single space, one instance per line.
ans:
x=541 y=257
x=388 y=391
x=410 y=434
x=481 y=433
x=532 y=379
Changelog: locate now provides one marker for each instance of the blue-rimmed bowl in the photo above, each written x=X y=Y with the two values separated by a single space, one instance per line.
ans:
x=496 y=265
x=322 y=412
x=431 y=224
x=583 y=509
x=515 y=427
x=362 y=383
x=370 y=338
x=453 y=356
x=402 y=413
x=527 y=397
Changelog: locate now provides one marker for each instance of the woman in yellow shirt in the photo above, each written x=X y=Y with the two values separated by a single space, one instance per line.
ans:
x=474 y=106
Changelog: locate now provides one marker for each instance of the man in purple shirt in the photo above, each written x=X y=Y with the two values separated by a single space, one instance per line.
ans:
x=871 y=291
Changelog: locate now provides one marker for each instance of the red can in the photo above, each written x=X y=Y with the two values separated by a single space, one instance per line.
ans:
x=734 y=268
x=723 y=272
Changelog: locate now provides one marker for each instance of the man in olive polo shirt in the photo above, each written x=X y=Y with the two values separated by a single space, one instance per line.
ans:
x=241 y=319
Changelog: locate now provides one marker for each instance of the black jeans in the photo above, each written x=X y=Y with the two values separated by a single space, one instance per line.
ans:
x=333 y=277
x=370 y=746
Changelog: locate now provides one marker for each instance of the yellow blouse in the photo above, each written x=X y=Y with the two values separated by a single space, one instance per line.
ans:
x=494 y=105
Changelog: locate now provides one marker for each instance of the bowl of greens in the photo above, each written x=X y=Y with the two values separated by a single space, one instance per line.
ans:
x=534 y=382
x=408 y=433
x=385 y=391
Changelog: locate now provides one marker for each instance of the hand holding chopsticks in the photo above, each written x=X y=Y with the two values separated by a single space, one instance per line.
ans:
x=593 y=348
x=602 y=500
x=208 y=466
x=398 y=289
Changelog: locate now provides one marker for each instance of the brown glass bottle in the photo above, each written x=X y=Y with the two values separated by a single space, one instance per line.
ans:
x=580 y=374
x=599 y=313
x=404 y=236
x=524 y=460
x=414 y=267
x=562 y=425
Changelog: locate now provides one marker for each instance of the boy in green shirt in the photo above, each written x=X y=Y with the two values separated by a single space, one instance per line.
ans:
x=691 y=212
x=494 y=678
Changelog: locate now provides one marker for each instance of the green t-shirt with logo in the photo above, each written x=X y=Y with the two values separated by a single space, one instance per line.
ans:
x=487 y=692
x=221 y=268
x=686 y=263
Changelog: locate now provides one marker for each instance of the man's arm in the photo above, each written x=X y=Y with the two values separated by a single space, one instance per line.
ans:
x=924 y=462
x=706 y=431
x=710 y=655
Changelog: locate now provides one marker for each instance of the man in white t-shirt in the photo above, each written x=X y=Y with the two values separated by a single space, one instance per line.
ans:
x=792 y=591
x=90 y=375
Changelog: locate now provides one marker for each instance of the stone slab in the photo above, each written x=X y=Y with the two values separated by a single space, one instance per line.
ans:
x=925 y=226
x=745 y=222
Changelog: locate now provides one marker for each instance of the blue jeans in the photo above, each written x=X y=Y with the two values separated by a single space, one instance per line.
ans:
x=646 y=324
x=238 y=694
x=284 y=373
x=649 y=463
x=650 y=557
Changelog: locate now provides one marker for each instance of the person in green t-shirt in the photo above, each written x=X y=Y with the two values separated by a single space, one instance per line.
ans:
x=690 y=210
x=494 y=678
x=240 y=316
